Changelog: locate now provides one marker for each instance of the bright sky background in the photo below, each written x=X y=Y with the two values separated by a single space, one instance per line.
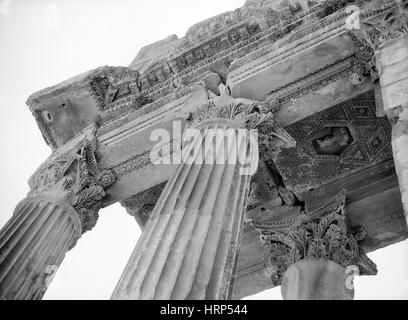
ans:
x=44 y=42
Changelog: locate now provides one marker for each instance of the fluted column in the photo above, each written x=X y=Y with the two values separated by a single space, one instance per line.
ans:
x=387 y=33
x=315 y=256
x=33 y=244
x=392 y=60
x=188 y=249
x=66 y=193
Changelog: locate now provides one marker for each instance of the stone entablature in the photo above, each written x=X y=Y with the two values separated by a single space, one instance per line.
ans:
x=107 y=94
x=91 y=96
x=293 y=62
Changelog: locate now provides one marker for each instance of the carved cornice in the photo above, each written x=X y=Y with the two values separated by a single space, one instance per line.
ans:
x=388 y=25
x=321 y=234
x=140 y=161
x=263 y=187
x=73 y=176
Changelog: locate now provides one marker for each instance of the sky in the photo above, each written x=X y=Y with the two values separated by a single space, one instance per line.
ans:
x=44 y=42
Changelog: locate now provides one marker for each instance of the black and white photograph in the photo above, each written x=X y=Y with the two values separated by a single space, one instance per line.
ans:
x=213 y=150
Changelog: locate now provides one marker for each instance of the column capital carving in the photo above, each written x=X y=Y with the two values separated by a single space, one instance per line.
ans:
x=72 y=175
x=246 y=114
x=365 y=63
x=388 y=25
x=321 y=234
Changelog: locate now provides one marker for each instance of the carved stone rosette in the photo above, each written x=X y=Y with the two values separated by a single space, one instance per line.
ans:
x=321 y=234
x=66 y=193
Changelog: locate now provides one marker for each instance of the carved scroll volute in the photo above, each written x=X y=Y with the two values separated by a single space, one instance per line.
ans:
x=321 y=234
x=73 y=176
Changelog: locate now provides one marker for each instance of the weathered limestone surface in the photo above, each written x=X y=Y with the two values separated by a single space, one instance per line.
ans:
x=338 y=141
x=301 y=246
x=392 y=58
x=254 y=267
x=189 y=247
x=387 y=33
x=128 y=104
x=65 y=195
x=315 y=280
x=294 y=58
x=33 y=244
x=149 y=55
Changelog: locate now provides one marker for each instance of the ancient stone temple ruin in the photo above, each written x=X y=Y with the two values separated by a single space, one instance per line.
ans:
x=325 y=83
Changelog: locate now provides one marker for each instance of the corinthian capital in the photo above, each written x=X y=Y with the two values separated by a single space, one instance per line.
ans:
x=247 y=114
x=321 y=234
x=72 y=175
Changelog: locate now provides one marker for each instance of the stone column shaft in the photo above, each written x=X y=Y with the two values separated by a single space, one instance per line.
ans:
x=313 y=279
x=189 y=247
x=33 y=243
x=387 y=33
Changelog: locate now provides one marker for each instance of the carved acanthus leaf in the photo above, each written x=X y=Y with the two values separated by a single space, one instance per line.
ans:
x=321 y=234
x=271 y=137
x=74 y=175
x=364 y=64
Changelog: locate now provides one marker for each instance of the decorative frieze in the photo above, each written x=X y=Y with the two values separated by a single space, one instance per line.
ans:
x=33 y=244
x=310 y=83
x=116 y=90
x=189 y=246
